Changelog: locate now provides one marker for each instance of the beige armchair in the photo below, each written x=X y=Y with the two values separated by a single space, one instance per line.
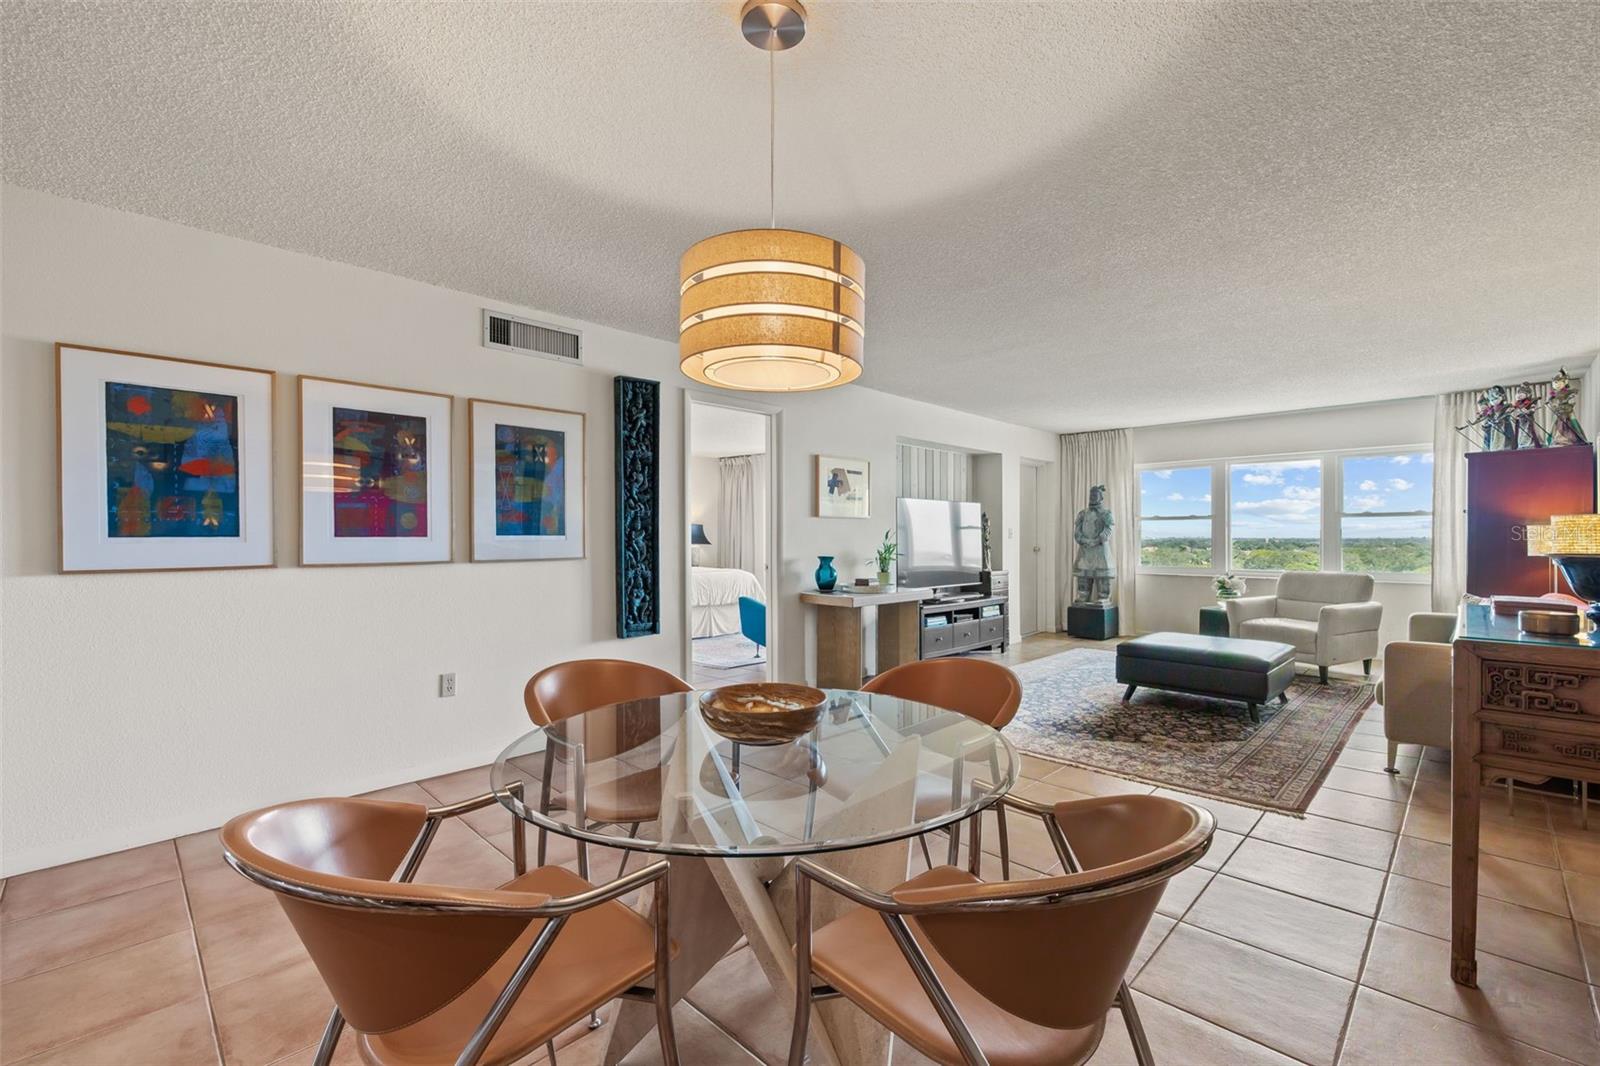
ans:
x=1328 y=618
x=1416 y=685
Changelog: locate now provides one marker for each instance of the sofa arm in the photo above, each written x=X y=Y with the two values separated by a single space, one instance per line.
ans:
x=1247 y=607
x=1417 y=689
x=1432 y=627
x=1339 y=619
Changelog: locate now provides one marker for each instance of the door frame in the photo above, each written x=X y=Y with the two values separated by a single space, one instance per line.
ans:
x=1046 y=505
x=774 y=417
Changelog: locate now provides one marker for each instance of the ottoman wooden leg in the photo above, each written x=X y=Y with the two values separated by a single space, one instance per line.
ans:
x=1283 y=698
x=1255 y=713
x=1128 y=695
x=1322 y=674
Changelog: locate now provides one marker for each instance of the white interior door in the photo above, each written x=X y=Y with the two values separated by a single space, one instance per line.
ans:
x=1027 y=578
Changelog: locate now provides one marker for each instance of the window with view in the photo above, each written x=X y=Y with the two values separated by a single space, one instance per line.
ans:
x=1175 y=517
x=1275 y=515
x=1386 y=516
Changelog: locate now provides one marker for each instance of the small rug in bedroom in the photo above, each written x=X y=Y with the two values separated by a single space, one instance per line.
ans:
x=1072 y=712
x=727 y=652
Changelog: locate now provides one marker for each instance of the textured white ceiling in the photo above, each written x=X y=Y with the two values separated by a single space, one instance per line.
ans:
x=1073 y=215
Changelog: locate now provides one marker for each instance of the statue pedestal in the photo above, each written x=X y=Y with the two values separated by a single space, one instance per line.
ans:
x=1093 y=621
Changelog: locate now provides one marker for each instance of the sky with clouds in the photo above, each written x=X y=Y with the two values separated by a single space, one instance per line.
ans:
x=1284 y=499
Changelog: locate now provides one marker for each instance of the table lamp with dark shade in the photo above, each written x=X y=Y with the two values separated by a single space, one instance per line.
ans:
x=1575 y=546
x=697 y=535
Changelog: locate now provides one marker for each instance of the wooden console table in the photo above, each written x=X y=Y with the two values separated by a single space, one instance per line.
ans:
x=840 y=663
x=1522 y=703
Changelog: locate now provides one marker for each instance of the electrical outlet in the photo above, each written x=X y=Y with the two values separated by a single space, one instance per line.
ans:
x=447 y=685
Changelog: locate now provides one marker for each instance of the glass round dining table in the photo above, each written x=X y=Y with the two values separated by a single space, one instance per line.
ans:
x=653 y=775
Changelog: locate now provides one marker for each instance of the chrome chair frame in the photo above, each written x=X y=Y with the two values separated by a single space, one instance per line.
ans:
x=554 y=911
x=895 y=914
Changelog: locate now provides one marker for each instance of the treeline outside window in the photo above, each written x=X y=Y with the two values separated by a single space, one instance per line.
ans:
x=1358 y=511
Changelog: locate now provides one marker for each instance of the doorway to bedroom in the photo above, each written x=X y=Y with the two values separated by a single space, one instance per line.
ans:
x=729 y=495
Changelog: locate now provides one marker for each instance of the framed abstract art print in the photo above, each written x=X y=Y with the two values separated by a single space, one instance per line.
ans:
x=374 y=474
x=529 y=482
x=843 y=488
x=165 y=463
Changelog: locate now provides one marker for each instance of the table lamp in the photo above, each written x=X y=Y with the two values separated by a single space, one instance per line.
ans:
x=697 y=536
x=1575 y=546
x=1538 y=541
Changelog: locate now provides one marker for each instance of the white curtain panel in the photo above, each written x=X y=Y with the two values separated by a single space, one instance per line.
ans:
x=1452 y=409
x=1101 y=458
x=742 y=515
x=934 y=473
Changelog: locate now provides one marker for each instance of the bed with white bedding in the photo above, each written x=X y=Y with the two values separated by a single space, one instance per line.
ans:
x=714 y=599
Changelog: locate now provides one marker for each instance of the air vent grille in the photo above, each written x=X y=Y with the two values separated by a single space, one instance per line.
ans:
x=512 y=334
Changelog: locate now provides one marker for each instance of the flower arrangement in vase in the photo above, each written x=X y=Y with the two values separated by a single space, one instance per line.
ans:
x=885 y=556
x=1229 y=586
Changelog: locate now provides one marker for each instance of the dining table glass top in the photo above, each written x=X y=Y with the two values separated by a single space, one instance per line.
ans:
x=654 y=775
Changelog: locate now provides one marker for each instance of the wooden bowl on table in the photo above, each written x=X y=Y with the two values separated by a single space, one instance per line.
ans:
x=763 y=712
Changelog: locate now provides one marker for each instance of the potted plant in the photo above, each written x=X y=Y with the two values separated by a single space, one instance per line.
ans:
x=885 y=556
x=1229 y=586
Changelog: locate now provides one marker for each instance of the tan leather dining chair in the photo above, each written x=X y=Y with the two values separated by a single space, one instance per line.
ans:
x=1009 y=973
x=568 y=689
x=430 y=974
x=978 y=688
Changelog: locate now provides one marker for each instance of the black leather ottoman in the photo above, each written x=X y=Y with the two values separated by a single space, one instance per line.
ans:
x=1251 y=671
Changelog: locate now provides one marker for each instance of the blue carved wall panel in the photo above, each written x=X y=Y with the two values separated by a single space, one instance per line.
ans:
x=638 y=440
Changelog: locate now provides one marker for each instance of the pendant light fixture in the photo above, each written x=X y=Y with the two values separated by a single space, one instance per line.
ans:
x=771 y=310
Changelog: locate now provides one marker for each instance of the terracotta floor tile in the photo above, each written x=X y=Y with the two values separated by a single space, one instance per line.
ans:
x=1589 y=938
x=1178 y=1038
x=1301 y=873
x=1094 y=783
x=1292 y=926
x=1535 y=846
x=1583 y=892
x=1360 y=741
x=1028 y=842
x=1552 y=1013
x=736 y=996
x=1230 y=816
x=461 y=857
x=1035 y=768
x=1223 y=844
x=1292 y=1008
x=699 y=1041
x=1567 y=819
x=59 y=887
x=1519 y=933
x=1328 y=836
x=219 y=891
x=1367 y=783
x=48 y=1009
x=1362 y=810
x=1375 y=762
x=1579 y=855
x=1384 y=1030
x=1043 y=792
x=1506 y=879
x=200 y=851
x=467 y=784
x=266 y=1017
x=179 y=1035
x=1182 y=891
x=247 y=941
x=1529 y=811
x=1154 y=933
x=56 y=938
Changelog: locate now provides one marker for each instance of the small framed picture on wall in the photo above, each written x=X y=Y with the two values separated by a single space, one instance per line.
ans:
x=165 y=463
x=843 y=487
x=529 y=482
x=374 y=474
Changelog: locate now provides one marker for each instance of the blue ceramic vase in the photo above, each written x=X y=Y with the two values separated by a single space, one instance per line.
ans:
x=827 y=576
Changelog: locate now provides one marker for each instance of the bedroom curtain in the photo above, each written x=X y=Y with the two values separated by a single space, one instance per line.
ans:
x=1452 y=409
x=742 y=515
x=1101 y=458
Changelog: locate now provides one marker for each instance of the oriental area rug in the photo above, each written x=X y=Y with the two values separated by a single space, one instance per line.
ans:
x=1072 y=712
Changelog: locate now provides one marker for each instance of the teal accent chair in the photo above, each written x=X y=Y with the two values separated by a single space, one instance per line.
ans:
x=753 y=620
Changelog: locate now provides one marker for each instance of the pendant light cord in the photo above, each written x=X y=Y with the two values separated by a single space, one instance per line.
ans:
x=772 y=140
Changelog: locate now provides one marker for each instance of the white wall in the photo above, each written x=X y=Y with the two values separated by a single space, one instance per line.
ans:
x=138 y=706
x=1173 y=602
x=705 y=497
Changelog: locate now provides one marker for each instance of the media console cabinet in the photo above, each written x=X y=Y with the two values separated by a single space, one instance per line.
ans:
x=912 y=625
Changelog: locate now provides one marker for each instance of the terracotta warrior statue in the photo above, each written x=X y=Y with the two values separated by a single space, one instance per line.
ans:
x=1094 y=570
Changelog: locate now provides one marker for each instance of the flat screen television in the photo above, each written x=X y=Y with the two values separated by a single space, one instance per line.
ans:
x=941 y=543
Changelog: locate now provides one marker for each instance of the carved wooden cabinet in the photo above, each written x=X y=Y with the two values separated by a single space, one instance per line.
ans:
x=1523 y=704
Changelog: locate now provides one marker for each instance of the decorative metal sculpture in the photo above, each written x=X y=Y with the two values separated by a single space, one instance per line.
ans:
x=1095 y=570
x=638 y=432
x=1564 y=428
x=1525 y=431
x=988 y=558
